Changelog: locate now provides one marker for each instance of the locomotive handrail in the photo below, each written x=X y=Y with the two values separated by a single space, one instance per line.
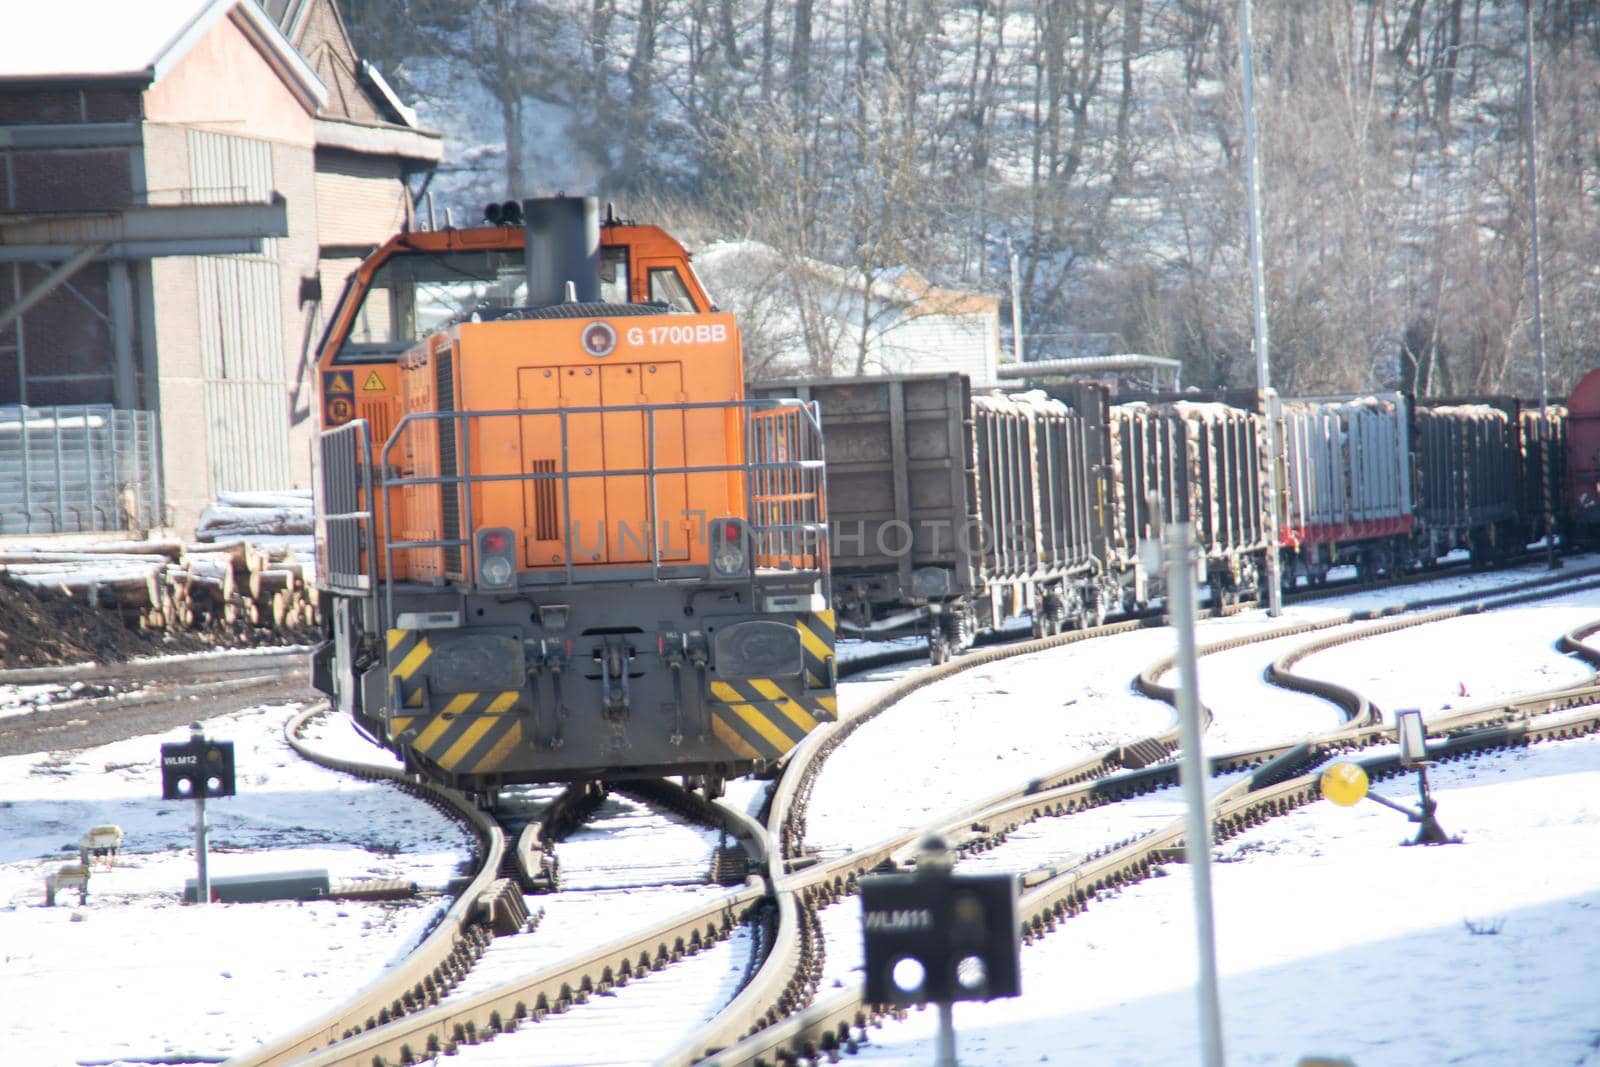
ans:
x=785 y=499
x=347 y=484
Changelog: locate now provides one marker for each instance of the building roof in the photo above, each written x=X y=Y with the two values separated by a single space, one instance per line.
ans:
x=93 y=40
x=362 y=113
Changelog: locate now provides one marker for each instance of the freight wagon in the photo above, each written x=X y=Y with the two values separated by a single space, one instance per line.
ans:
x=1189 y=462
x=950 y=512
x=1468 y=470
x=1544 y=473
x=1057 y=491
x=1582 y=474
x=1346 y=494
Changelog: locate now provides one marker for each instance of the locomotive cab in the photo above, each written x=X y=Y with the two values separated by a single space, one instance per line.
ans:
x=556 y=541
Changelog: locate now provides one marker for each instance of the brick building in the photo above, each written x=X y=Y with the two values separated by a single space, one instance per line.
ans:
x=183 y=186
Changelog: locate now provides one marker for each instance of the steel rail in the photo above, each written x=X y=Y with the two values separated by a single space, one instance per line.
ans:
x=1357 y=708
x=402 y=1017
x=776 y=989
x=436 y=964
x=443 y=1028
x=825 y=1027
x=838 y=1023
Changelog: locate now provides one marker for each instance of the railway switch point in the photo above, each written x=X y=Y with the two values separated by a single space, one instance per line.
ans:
x=1413 y=738
x=1346 y=783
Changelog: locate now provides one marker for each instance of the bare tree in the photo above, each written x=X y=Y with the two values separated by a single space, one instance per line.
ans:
x=1099 y=137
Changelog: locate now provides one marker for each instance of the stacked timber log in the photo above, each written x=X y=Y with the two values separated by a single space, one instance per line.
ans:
x=253 y=516
x=252 y=566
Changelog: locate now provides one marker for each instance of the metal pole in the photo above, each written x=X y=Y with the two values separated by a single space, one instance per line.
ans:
x=22 y=417
x=946 y=1053
x=88 y=470
x=1016 y=306
x=1258 y=297
x=202 y=877
x=120 y=301
x=1530 y=130
x=1177 y=544
x=59 y=519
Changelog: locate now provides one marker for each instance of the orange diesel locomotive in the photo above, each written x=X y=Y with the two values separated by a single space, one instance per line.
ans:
x=555 y=541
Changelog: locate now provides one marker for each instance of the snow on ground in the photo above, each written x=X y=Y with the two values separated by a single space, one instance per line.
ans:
x=625 y=869
x=1333 y=939
x=161 y=979
x=1248 y=716
x=20 y=696
x=17 y=700
x=167 y=980
x=631 y=1024
x=1446 y=954
x=1466 y=661
x=849 y=650
x=979 y=732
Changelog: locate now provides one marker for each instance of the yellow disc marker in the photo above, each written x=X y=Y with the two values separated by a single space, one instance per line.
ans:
x=1344 y=783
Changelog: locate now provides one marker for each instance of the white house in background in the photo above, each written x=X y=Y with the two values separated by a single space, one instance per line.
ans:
x=803 y=317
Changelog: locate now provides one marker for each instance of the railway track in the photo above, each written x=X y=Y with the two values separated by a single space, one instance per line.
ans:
x=408 y=1015
x=1270 y=781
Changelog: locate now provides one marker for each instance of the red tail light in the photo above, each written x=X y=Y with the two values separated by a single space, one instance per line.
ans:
x=496 y=558
x=729 y=557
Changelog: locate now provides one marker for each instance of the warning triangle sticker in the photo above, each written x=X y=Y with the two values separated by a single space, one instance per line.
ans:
x=373 y=384
x=338 y=381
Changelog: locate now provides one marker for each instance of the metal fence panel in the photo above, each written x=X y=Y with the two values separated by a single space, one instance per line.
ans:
x=77 y=470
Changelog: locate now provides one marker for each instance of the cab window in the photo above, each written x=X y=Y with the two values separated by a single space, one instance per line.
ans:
x=614 y=275
x=666 y=287
x=414 y=294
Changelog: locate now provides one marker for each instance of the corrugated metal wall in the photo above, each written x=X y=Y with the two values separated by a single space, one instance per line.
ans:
x=241 y=326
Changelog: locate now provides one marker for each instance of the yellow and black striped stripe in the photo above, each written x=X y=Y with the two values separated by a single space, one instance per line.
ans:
x=816 y=641
x=472 y=733
x=408 y=651
x=762 y=718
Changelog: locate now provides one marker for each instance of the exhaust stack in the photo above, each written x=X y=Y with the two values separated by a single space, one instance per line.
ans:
x=562 y=244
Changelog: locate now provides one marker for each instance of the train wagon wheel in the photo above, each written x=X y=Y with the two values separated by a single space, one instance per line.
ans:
x=1094 y=609
x=1050 y=616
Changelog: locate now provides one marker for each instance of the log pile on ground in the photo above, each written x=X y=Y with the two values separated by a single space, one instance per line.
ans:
x=251 y=568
